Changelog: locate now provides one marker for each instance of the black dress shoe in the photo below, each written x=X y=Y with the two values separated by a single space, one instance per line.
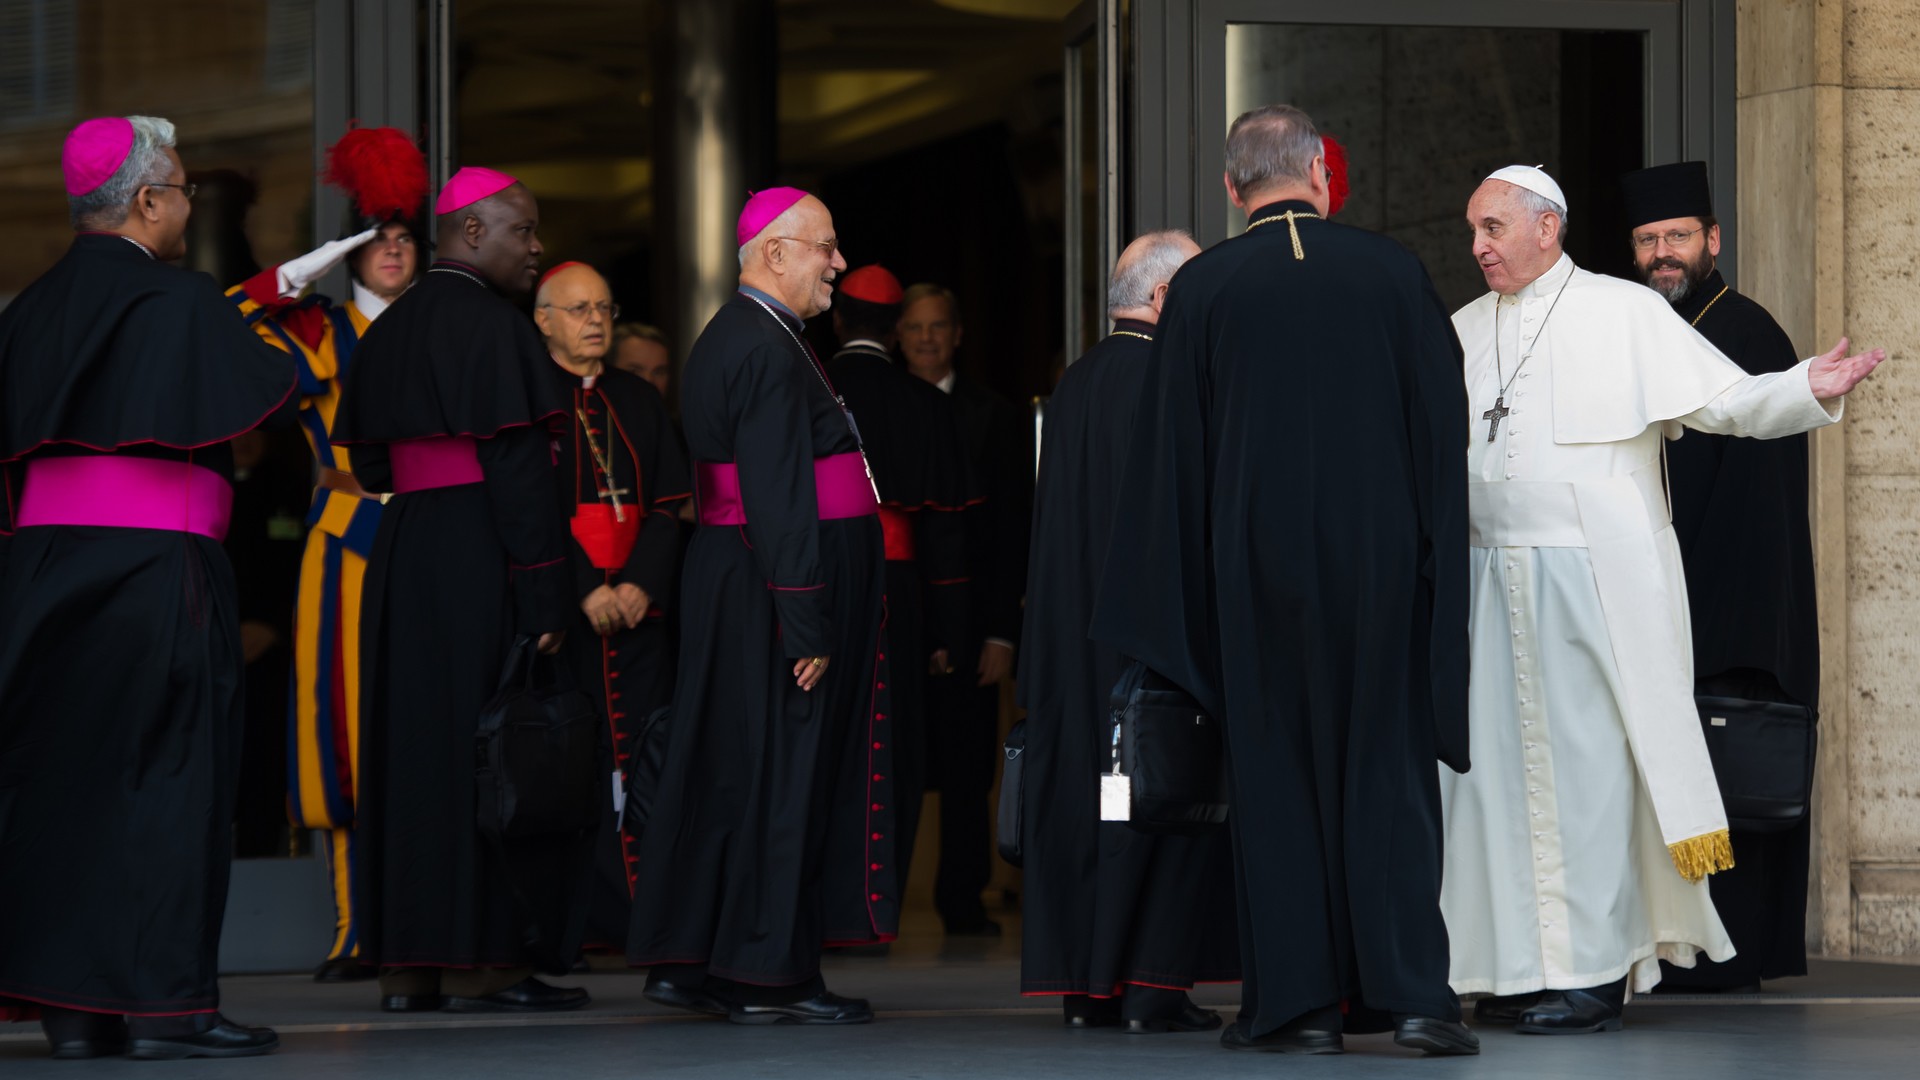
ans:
x=1576 y=1012
x=1504 y=1010
x=527 y=995
x=81 y=1049
x=412 y=1003
x=344 y=969
x=73 y=1035
x=1292 y=1039
x=825 y=1007
x=1434 y=1036
x=693 y=999
x=225 y=1039
x=1191 y=1018
x=1081 y=1012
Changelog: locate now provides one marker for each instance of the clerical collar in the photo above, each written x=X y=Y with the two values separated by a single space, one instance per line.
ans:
x=143 y=249
x=586 y=381
x=1300 y=208
x=460 y=269
x=1549 y=283
x=1135 y=328
x=367 y=301
x=769 y=300
x=866 y=343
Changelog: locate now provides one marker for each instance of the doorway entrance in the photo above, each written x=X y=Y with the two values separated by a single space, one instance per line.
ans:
x=1430 y=98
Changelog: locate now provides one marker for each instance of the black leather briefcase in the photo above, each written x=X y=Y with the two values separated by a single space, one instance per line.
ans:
x=1013 y=777
x=1172 y=754
x=537 y=755
x=646 y=763
x=1763 y=757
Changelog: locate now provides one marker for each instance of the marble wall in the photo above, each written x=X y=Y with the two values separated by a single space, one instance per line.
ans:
x=1829 y=130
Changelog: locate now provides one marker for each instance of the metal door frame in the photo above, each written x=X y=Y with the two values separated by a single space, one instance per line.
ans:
x=1180 y=51
x=1097 y=21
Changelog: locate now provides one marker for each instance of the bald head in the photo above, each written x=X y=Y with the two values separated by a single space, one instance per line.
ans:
x=1138 y=287
x=795 y=258
x=574 y=311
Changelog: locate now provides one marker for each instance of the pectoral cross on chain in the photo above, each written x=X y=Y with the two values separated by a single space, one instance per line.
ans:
x=612 y=494
x=1496 y=414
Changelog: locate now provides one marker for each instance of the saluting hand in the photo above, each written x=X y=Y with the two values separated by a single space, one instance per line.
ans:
x=1834 y=373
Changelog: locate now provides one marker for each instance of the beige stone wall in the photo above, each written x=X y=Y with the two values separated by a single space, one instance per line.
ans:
x=1829 y=123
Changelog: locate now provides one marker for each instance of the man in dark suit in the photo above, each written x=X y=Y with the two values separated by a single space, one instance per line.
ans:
x=963 y=703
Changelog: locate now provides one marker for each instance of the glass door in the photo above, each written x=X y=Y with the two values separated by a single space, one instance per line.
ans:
x=1428 y=98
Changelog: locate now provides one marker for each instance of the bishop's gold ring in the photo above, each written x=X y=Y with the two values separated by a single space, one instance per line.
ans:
x=818 y=661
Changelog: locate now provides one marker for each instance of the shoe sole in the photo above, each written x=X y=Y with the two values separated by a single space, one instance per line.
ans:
x=471 y=1005
x=1335 y=1047
x=765 y=1019
x=164 y=1051
x=1437 y=1046
x=701 y=1004
x=1168 y=1027
x=1614 y=1024
x=88 y=1052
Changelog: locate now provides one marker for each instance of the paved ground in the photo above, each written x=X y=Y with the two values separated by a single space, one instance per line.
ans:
x=952 y=1011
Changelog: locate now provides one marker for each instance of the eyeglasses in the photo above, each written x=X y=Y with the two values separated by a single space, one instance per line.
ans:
x=607 y=309
x=1675 y=238
x=185 y=189
x=829 y=245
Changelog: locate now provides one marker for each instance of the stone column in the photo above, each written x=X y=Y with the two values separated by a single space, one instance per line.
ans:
x=1829 y=116
x=715 y=135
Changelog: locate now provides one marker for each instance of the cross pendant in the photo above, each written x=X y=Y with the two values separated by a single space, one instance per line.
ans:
x=613 y=494
x=1496 y=414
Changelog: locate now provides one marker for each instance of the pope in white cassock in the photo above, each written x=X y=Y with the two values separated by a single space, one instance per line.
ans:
x=1577 y=847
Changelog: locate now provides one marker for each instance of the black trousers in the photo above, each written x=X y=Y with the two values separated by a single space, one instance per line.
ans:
x=962 y=722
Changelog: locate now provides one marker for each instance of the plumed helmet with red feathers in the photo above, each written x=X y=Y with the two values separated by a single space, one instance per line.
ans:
x=1337 y=186
x=382 y=171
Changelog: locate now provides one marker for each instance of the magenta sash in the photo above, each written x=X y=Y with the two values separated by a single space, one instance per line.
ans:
x=125 y=492
x=840 y=483
x=437 y=462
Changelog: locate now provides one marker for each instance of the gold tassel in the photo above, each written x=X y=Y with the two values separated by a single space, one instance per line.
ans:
x=1299 y=253
x=1702 y=855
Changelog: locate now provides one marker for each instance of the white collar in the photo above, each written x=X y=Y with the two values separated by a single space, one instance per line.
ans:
x=866 y=343
x=1547 y=284
x=946 y=384
x=364 y=299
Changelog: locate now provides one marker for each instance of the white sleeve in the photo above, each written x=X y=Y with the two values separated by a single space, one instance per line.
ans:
x=1769 y=406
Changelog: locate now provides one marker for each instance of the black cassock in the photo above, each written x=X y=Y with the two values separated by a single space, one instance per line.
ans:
x=120 y=665
x=1298 y=475
x=963 y=746
x=456 y=573
x=1740 y=514
x=772 y=833
x=920 y=467
x=1104 y=906
x=629 y=672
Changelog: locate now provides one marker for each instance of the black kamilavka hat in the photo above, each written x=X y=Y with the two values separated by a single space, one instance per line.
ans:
x=1665 y=192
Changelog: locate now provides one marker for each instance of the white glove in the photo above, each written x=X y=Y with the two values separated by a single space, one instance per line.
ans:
x=296 y=274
